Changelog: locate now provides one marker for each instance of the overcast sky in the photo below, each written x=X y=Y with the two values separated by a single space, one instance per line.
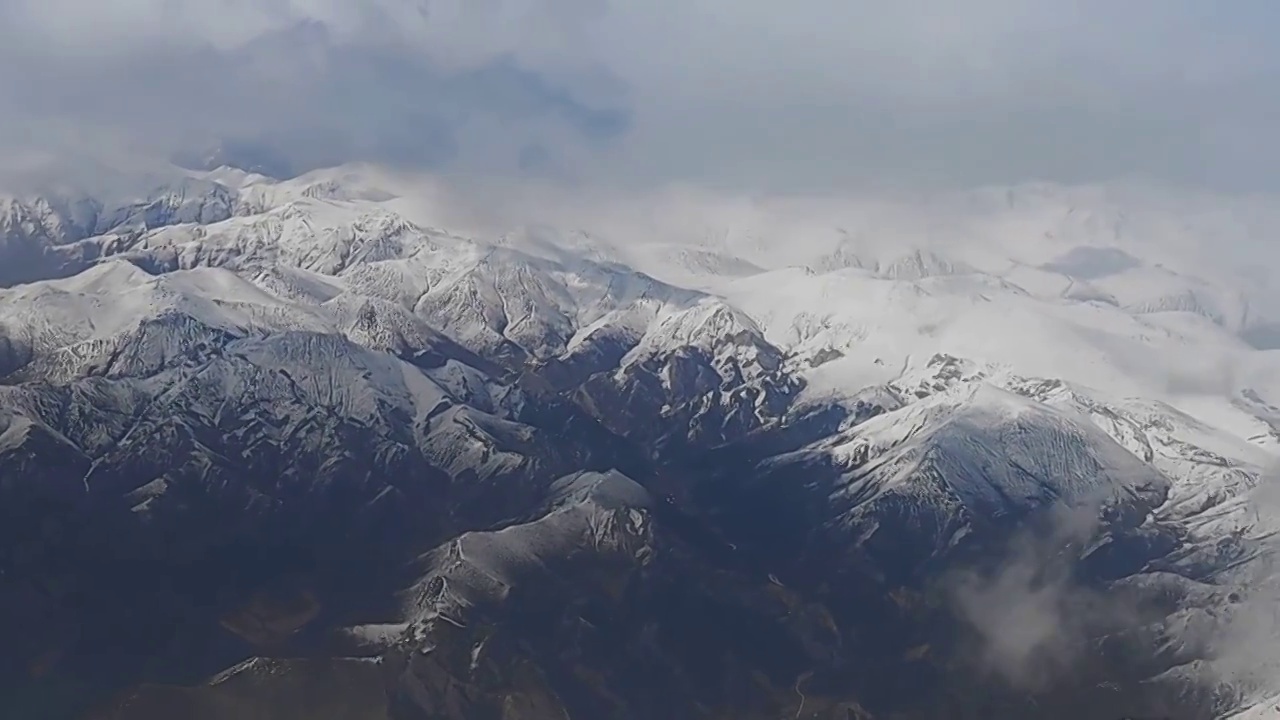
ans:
x=804 y=94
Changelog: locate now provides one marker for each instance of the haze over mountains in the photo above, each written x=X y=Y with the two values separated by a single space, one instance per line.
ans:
x=345 y=441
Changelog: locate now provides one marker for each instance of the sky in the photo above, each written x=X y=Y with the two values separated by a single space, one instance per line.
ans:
x=802 y=95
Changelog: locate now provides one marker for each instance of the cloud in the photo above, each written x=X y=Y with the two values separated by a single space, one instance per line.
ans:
x=813 y=94
x=1030 y=616
x=312 y=83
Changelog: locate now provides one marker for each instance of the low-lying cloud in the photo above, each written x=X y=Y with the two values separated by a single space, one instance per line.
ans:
x=1031 y=616
x=1036 y=624
x=814 y=94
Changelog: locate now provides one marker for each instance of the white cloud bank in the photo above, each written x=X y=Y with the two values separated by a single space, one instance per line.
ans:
x=812 y=94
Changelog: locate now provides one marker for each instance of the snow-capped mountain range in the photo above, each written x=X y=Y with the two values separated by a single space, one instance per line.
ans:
x=756 y=443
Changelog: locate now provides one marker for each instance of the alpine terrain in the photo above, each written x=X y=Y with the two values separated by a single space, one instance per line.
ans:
x=347 y=446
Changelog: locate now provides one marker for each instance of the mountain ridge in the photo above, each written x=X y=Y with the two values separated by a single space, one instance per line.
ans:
x=237 y=364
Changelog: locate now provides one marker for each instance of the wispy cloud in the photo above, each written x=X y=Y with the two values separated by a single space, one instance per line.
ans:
x=1030 y=615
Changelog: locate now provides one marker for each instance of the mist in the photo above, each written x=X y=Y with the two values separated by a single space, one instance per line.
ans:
x=1032 y=616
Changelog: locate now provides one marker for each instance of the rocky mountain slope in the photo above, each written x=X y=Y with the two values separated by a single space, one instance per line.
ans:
x=288 y=449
